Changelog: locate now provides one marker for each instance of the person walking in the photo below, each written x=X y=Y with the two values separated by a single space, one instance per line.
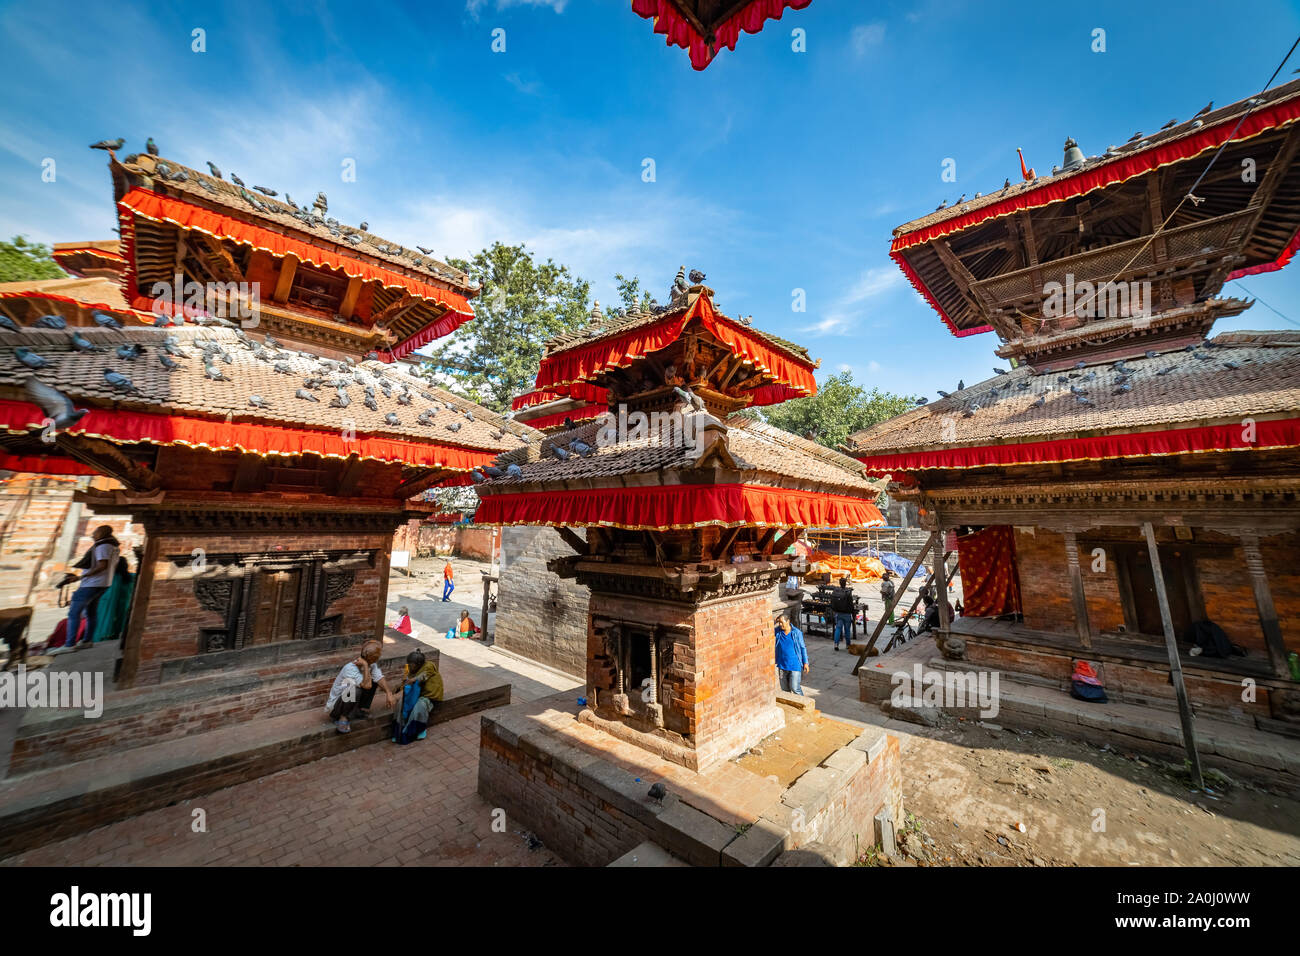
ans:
x=102 y=558
x=887 y=595
x=842 y=608
x=448 y=585
x=791 y=656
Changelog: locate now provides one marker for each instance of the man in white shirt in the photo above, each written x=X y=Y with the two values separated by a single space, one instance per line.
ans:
x=354 y=688
x=104 y=552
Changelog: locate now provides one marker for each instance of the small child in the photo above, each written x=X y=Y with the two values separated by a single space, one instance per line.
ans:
x=421 y=692
x=466 y=626
x=403 y=622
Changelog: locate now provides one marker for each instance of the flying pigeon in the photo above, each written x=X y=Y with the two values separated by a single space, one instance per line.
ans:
x=30 y=358
x=305 y=395
x=50 y=322
x=57 y=406
x=236 y=180
x=8 y=324
x=129 y=352
x=104 y=320
x=257 y=401
x=119 y=381
x=167 y=362
x=109 y=144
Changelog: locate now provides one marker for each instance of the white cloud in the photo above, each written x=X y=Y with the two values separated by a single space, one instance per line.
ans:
x=847 y=312
x=865 y=36
x=527 y=87
x=475 y=7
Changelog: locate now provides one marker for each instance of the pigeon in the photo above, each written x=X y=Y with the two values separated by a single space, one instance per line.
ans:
x=212 y=168
x=179 y=176
x=513 y=471
x=1135 y=137
x=1023 y=385
x=1231 y=365
x=1204 y=109
x=110 y=145
x=492 y=471
x=427 y=252
x=690 y=398
x=8 y=324
x=453 y=427
x=257 y=401
x=236 y=180
x=561 y=453
x=130 y=352
x=171 y=346
x=57 y=406
x=403 y=398
x=477 y=477
x=392 y=418
x=696 y=276
x=50 y=322
x=340 y=400
x=961 y=198
x=941 y=205
x=1124 y=387
x=1039 y=404
x=1122 y=368
x=214 y=373
x=305 y=395
x=371 y=404
x=104 y=320
x=1165 y=371
x=30 y=358
x=469 y=416
x=119 y=381
x=922 y=400
x=960 y=385
x=83 y=344
x=266 y=191
x=942 y=393
x=1170 y=125
x=283 y=368
x=999 y=371
x=1083 y=400
x=364 y=227
x=387 y=389
x=1006 y=183
x=1078 y=391
x=657 y=792
x=167 y=362
x=425 y=417
x=370 y=391
x=581 y=448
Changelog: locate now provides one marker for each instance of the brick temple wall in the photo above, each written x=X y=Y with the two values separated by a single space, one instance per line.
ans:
x=166 y=615
x=719 y=694
x=1224 y=582
x=540 y=616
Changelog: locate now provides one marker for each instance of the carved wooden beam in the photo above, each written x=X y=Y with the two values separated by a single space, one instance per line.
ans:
x=109 y=459
x=350 y=297
x=394 y=310
x=288 y=269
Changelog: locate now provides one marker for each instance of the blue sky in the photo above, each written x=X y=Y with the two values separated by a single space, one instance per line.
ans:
x=775 y=170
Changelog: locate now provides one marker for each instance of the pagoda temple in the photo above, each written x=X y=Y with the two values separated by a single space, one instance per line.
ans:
x=230 y=364
x=687 y=508
x=1131 y=481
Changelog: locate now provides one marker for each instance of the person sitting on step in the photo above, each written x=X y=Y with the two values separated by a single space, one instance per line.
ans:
x=354 y=688
x=421 y=694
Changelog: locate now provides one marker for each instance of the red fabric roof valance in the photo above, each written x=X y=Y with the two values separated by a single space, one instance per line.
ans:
x=1284 y=433
x=583 y=413
x=570 y=372
x=679 y=506
x=679 y=32
x=125 y=427
x=150 y=205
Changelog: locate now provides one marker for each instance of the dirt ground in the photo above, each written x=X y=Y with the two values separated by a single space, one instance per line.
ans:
x=979 y=795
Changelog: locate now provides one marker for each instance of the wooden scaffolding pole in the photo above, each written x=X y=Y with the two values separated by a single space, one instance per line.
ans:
x=880 y=625
x=1175 y=663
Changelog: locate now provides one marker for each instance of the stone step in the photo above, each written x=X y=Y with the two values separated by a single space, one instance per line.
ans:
x=144 y=716
x=48 y=805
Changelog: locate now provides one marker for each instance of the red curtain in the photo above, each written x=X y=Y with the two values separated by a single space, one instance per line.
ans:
x=260 y=439
x=678 y=32
x=679 y=506
x=150 y=205
x=563 y=371
x=1284 y=433
x=40 y=465
x=590 y=393
x=990 y=583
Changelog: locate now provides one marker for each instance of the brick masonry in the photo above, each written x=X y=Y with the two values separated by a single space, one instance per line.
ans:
x=540 y=616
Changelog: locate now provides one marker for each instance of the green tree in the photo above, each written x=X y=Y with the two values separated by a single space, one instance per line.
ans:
x=630 y=291
x=20 y=260
x=522 y=303
x=840 y=408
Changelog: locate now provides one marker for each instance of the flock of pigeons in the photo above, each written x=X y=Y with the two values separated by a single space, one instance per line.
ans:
x=341 y=375
x=311 y=216
x=1087 y=388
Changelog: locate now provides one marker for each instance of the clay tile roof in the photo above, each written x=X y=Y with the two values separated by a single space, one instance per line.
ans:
x=757 y=448
x=1179 y=388
x=187 y=391
x=1155 y=140
x=93 y=290
x=277 y=210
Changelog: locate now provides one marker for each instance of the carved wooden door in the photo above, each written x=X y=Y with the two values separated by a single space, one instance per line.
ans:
x=277 y=605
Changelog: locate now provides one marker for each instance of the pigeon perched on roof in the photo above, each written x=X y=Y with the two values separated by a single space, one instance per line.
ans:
x=104 y=320
x=212 y=372
x=426 y=417
x=1204 y=109
x=922 y=401
x=305 y=395
x=257 y=401
x=999 y=371
x=371 y=404
x=266 y=191
x=1039 y=402
x=83 y=344
x=453 y=427
x=167 y=362
x=284 y=368
x=8 y=324
x=30 y=358
x=477 y=477
x=109 y=144
x=340 y=400
x=961 y=385
x=427 y=252
x=403 y=397
x=513 y=471
x=1135 y=137
x=50 y=322
x=119 y=381
x=236 y=180
x=212 y=168
x=392 y=418
x=130 y=352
